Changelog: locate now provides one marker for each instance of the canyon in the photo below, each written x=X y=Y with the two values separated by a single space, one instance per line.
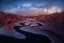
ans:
x=53 y=22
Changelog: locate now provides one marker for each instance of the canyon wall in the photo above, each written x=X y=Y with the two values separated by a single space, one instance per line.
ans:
x=54 y=22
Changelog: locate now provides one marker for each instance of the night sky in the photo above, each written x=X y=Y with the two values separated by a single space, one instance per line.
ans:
x=29 y=6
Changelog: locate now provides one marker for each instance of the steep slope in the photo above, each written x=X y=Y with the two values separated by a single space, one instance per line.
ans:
x=7 y=20
x=53 y=22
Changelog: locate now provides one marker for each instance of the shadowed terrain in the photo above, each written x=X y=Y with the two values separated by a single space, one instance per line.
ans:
x=53 y=22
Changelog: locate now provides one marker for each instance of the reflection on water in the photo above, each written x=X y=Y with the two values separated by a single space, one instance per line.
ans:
x=31 y=38
x=26 y=34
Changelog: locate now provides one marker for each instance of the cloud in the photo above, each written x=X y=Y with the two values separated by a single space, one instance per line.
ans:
x=32 y=7
x=30 y=10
